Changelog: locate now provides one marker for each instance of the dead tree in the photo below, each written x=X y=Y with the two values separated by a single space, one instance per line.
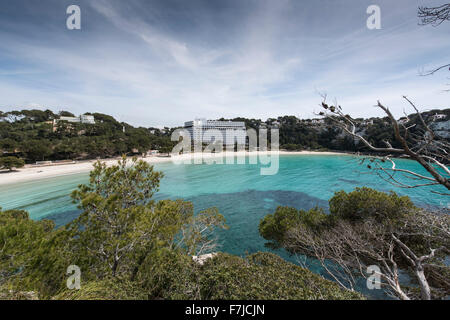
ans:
x=434 y=15
x=417 y=141
x=346 y=250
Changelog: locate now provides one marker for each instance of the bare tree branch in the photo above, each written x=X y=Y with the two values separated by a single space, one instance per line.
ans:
x=434 y=15
x=422 y=146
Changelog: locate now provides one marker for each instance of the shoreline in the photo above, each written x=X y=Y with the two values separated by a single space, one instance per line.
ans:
x=36 y=172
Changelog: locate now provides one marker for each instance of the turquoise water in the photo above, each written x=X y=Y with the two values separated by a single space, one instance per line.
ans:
x=242 y=195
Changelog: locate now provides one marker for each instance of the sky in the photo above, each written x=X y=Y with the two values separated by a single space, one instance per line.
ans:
x=161 y=63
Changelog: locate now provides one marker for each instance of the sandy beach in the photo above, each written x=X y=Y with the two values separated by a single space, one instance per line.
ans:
x=34 y=172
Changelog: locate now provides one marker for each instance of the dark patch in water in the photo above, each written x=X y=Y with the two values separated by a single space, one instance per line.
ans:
x=40 y=201
x=244 y=210
x=355 y=182
x=64 y=218
x=275 y=198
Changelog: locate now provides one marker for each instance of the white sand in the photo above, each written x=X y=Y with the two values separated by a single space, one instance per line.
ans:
x=33 y=172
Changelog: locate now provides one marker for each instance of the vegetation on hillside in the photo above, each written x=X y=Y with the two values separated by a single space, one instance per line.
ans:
x=306 y=134
x=34 y=136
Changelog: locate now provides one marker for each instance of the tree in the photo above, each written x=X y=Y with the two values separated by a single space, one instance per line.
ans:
x=117 y=211
x=415 y=138
x=129 y=246
x=121 y=226
x=165 y=149
x=66 y=114
x=105 y=289
x=20 y=240
x=11 y=163
x=36 y=150
x=32 y=134
x=434 y=15
x=121 y=235
x=265 y=276
x=369 y=228
x=417 y=141
x=8 y=145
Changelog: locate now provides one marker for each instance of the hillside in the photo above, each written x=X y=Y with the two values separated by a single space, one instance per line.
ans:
x=39 y=135
x=36 y=135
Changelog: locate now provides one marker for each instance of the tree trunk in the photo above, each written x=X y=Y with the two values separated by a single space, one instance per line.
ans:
x=136 y=267
x=400 y=292
x=114 y=268
x=424 y=287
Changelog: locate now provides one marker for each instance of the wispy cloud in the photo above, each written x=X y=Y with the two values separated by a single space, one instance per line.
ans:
x=162 y=63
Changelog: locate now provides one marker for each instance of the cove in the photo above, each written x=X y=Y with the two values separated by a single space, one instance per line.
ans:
x=240 y=193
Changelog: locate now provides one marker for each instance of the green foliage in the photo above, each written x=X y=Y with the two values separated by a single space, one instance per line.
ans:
x=264 y=276
x=121 y=234
x=121 y=226
x=34 y=258
x=130 y=247
x=118 y=219
x=108 y=289
x=356 y=206
x=32 y=135
x=36 y=149
x=169 y=274
x=20 y=239
x=8 y=145
x=66 y=114
x=363 y=203
x=275 y=226
x=364 y=227
x=291 y=147
x=10 y=163
x=165 y=149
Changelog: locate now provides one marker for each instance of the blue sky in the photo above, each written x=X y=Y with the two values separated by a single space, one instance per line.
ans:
x=155 y=63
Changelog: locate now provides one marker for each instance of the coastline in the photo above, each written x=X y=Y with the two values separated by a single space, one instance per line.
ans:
x=34 y=172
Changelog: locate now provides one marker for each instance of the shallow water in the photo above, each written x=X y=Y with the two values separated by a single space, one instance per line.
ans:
x=240 y=193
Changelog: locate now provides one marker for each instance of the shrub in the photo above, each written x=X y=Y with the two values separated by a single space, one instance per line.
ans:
x=265 y=276
x=10 y=163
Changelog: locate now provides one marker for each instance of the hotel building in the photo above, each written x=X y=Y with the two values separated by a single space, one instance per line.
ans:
x=84 y=118
x=229 y=132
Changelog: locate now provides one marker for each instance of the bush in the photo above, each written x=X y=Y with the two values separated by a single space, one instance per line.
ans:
x=292 y=147
x=264 y=276
x=275 y=226
x=363 y=203
x=109 y=289
x=10 y=163
x=356 y=206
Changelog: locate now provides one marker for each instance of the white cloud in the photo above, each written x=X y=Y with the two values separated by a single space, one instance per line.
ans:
x=273 y=64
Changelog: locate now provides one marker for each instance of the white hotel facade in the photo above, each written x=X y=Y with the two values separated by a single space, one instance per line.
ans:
x=207 y=131
x=84 y=118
